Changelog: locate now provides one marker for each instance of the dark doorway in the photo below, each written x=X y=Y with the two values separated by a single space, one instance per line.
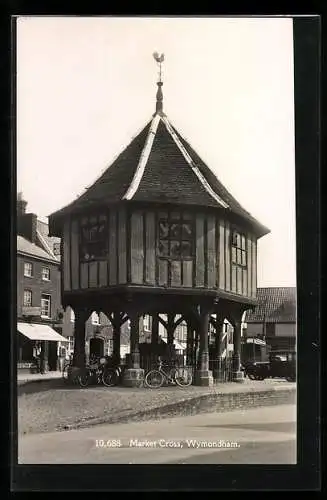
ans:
x=97 y=347
x=52 y=356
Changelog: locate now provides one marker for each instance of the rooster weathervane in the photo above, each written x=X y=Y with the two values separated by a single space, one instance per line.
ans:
x=159 y=59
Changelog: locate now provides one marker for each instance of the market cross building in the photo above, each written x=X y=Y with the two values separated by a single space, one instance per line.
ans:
x=158 y=233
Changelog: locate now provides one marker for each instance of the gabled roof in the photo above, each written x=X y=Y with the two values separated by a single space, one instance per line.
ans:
x=46 y=241
x=24 y=246
x=275 y=305
x=158 y=166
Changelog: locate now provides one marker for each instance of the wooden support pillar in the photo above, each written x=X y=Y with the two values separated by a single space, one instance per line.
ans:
x=134 y=375
x=155 y=330
x=154 y=340
x=190 y=343
x=218 y=362
x=203 y=376
x=134 y=340
x=116 y=325
x=237 y=373
x=170 y=328
x=79 y=357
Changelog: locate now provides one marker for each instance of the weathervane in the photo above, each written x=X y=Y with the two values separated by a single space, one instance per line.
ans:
x=160 y=60
x=159 y=103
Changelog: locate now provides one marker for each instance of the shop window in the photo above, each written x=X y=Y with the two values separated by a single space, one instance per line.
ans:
x=239 y=253
x=94 y=238
x=46 y=306
x=175 y=237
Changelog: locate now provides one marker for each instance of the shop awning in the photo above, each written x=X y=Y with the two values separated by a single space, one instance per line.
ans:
x=34 y=331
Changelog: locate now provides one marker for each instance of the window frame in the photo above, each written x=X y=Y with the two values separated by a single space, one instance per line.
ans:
x=170 y=220
x=31 y=296
x=43 y=295
x=237 y=247
x=31 y=267
x=48 y=269
x=101 y=242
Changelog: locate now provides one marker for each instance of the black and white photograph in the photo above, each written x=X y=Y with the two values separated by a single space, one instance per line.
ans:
x=156 y=241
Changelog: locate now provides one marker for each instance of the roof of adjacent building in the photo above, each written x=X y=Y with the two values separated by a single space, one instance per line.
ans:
x=158 y=166
x=46 y=241
x=275 y=305
x=25 y=246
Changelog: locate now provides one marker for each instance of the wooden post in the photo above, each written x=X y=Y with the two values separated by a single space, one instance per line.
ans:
x=189 y=343
x=79 y=357
x=170 y=328
x=116 y=324
x=202 y=374
x=134 y=375
x=134 y=340
x=218 y=367
x=154 y=339
x=237 y=373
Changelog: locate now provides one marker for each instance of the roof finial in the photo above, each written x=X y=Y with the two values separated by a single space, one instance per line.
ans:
x=159 y=96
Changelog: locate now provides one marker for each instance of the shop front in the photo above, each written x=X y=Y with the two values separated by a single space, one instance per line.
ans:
x=38 y=348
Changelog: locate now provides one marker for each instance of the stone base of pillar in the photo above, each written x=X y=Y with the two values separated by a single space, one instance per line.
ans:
x=203 y=378
x=133 y=377
x=218 y=375
x=238 y=376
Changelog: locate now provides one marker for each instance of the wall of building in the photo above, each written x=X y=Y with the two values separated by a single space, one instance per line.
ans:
x=132 y=255
x=285 y=330
x=254 y=329
x=37 y=285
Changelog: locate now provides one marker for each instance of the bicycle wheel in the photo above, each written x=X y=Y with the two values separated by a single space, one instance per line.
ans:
x=110 y=377
x=154 y=379
x=84 y=379
x=183 y=377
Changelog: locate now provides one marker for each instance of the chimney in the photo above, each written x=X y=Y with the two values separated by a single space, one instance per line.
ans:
x=21 y=204
x=26 y=223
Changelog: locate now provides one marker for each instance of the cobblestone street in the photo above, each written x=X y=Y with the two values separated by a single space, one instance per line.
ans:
x=49 y=406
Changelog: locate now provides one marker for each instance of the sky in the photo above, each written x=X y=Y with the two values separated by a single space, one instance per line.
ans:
x=86 y=87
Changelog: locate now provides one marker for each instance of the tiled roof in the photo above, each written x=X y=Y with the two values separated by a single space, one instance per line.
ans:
x=275 y=305
x=26 y=247
x=158 y=166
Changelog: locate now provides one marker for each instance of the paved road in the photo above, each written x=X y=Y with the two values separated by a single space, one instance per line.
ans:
x=261 y=435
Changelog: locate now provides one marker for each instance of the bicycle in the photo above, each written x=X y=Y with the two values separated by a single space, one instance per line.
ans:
x=66 y=370
x=98 y=372
x=181 y=376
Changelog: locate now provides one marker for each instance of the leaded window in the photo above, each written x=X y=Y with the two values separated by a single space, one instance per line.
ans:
x=239 y=254
x=93 y=238
x=175 y=237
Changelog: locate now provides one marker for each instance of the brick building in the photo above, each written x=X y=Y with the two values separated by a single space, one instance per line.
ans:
x=274 y=318
x=39 y=298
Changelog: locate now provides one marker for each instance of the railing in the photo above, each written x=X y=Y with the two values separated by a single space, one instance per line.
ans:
x=222 y=370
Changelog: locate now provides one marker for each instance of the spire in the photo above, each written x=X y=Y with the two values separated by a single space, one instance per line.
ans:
x=159 y=96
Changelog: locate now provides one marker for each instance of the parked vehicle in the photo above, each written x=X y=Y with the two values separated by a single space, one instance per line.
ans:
x=281 y=364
